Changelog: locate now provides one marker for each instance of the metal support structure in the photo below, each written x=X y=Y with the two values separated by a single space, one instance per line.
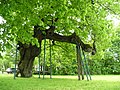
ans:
x=50 y=60
x=15 y=63
x=39 y=61
x=44 y=62
x=78 y=61
x=83 y=64
x=86 y=65
x=39 y=65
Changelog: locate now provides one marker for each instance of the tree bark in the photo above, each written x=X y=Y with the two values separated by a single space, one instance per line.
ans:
x=27 y=56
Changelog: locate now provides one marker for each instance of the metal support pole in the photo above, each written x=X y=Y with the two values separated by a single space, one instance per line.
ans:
x=78 y=61
x=81 y=63
x=39 y=65
x=50 y=61
x=39 y=60
x=15 y=63
x=87 y=68
x=44 y=58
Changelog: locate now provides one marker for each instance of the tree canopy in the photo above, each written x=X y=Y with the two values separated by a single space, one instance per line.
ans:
x=87 y=18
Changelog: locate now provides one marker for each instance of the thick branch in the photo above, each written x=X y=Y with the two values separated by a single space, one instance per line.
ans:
x=74 y=39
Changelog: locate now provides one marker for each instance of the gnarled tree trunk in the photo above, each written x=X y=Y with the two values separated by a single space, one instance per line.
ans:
x=27 y=56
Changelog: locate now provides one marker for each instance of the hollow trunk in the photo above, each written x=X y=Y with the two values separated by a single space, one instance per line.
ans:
x=27 y=56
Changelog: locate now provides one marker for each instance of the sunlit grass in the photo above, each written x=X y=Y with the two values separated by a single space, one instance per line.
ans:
x=100 y=82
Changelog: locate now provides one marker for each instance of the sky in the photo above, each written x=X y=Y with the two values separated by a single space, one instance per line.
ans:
x=115 y=20
x=2 y=20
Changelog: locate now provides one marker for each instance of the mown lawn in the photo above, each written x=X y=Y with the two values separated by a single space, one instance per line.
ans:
x=102 y=82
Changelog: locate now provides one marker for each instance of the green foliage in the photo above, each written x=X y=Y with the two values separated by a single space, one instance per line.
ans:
x=87 y=19
x=8 y=57
x=109 y=62
x=22 y=15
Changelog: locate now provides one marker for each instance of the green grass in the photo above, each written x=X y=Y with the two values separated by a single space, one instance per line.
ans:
x=102 y=82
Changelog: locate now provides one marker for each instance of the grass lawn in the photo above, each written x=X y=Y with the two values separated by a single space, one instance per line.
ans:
x=100 y=82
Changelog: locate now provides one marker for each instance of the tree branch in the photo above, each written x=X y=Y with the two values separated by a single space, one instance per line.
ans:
x=73 y=39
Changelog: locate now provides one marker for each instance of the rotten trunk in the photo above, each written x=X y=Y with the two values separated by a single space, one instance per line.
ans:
x=27 y=56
